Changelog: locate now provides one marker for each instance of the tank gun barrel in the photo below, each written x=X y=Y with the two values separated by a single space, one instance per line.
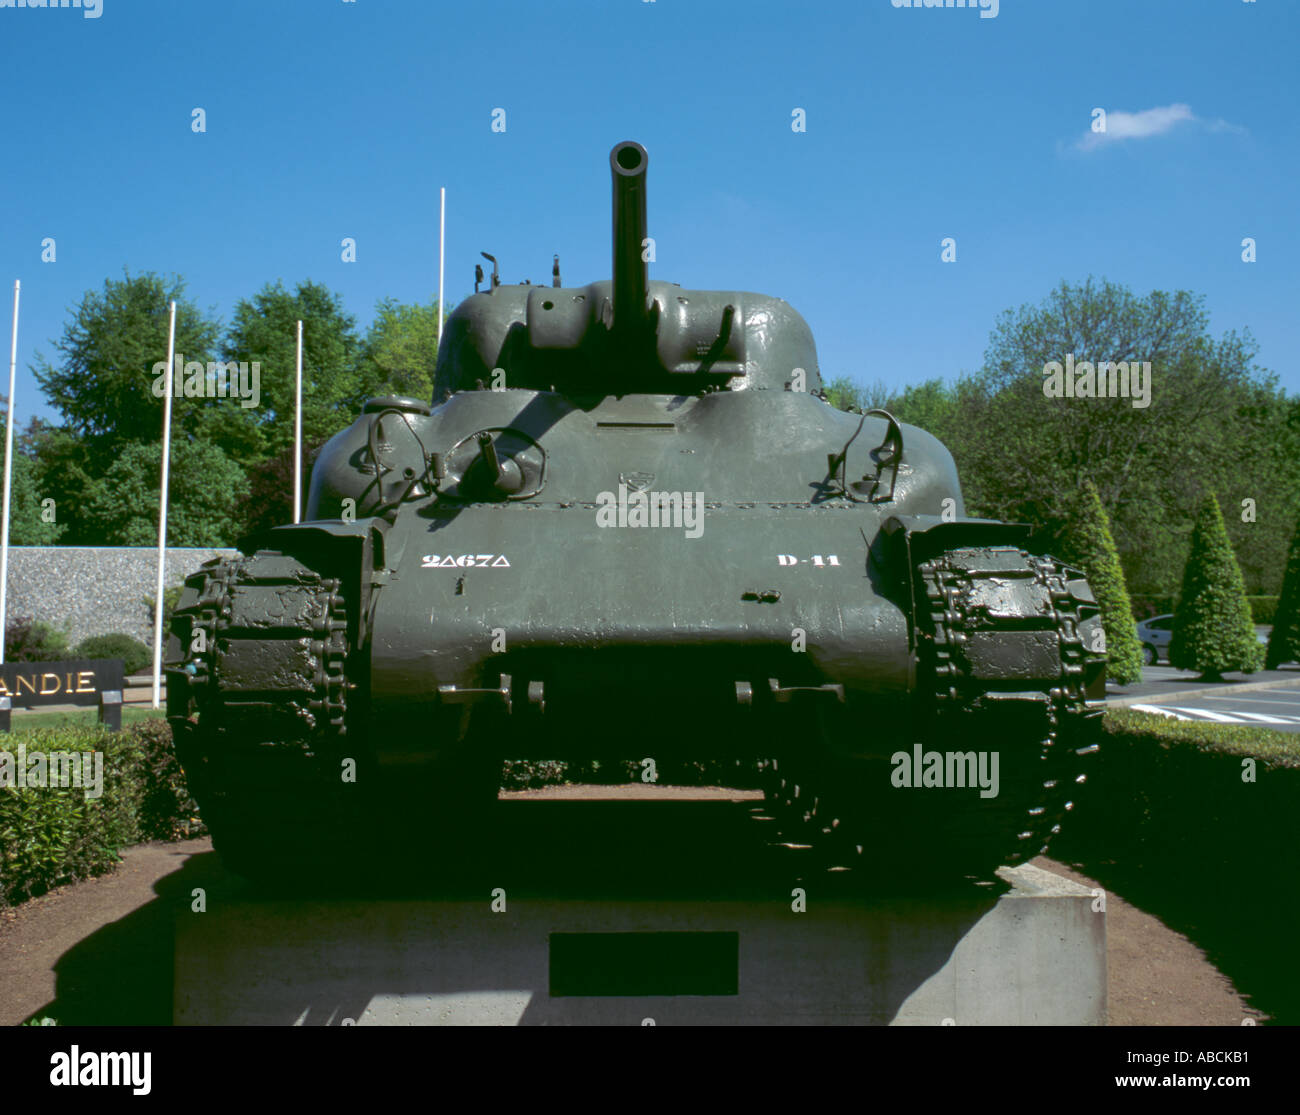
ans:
x=627 y=163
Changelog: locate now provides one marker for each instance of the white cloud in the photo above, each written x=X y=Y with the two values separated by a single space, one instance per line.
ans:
x=1149 y=122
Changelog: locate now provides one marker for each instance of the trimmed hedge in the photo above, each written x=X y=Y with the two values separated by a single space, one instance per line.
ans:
x=1167 y=820
x=1146 y=604
x=50 y=836
x=134 y=654
x=531 y=774
x=1263 y=609
x=1273 y=749
x=1173 y=783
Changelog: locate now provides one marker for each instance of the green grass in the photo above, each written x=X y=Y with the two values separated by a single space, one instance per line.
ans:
x=25 y=720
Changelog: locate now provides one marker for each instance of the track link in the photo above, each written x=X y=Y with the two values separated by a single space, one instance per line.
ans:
x=1003 y=639
x=265 y=672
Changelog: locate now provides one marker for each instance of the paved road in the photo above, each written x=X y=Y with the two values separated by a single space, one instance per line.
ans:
x=1265 y=708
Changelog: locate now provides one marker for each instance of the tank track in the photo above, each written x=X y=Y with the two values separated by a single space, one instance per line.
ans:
x=269 y=685
x=1003 y=664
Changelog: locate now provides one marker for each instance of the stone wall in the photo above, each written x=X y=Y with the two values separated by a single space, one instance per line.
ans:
x=95 y=590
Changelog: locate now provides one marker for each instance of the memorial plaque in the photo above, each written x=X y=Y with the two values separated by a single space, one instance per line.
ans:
x=96 y=682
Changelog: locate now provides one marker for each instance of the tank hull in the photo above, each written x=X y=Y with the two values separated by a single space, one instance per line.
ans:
x=644 y=633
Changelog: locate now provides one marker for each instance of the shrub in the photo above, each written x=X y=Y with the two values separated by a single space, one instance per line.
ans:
x=134 y=654
x=28 y=640
x=1213 y=632
x=167 y=809
x=50 y=836
x=527 y=774
x=531 y=774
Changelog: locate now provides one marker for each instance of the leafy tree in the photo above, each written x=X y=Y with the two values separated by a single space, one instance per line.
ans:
x=1261 y=488
x=847 y=394
x=64 y=472
x=31 y=524
x=400 y=352
x=931 y=405
x=1213 y=631
x=265 y=330
x=103 y=382
x=1284 y=640
x=1213 y=416
x=205 y=508
x=1094 y=549
x=270 y=482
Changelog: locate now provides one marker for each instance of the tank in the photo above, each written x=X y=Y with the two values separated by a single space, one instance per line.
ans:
x=630 y=524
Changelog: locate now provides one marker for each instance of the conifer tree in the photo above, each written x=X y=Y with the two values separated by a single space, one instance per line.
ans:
x=1094 y=549
x=1284 y=642
x=1213 y=630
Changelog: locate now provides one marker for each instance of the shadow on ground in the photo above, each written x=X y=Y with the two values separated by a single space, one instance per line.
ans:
x=1241 y=916
x=589 y=852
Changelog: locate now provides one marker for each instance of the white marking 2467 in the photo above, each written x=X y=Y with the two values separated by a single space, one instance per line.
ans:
x=465 y=561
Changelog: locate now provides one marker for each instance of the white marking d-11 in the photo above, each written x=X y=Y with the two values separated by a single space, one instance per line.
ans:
x=824 y=560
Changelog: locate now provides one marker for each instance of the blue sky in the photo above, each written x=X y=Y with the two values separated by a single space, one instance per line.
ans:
x=329 y=119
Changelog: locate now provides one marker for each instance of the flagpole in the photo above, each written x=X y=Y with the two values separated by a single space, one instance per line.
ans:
x=162 y=508
x=442 y=237
x=297 y=435
x=9 y=463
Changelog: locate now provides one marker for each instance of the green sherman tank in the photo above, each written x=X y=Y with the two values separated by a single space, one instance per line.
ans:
x=630 y=523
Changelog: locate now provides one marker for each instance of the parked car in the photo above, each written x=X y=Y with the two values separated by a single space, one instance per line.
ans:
x=1154 y=635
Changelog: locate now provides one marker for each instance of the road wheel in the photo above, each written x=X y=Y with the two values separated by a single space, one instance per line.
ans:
x=1149 y=656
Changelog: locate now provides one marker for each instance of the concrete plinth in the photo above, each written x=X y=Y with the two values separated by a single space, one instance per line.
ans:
x=1036 y=955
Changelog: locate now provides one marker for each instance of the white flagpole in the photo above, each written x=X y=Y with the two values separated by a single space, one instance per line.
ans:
x=297 y=436
x=442 y=237
x=9 y=462
x=162 y=507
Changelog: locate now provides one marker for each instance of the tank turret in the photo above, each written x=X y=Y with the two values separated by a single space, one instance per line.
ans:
x=628 y=333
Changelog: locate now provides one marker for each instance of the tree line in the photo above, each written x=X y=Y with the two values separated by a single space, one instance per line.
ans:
x=92 y=478
x=1217 y=424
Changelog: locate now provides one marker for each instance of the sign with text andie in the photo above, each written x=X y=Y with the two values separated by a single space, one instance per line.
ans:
x=79 y=682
